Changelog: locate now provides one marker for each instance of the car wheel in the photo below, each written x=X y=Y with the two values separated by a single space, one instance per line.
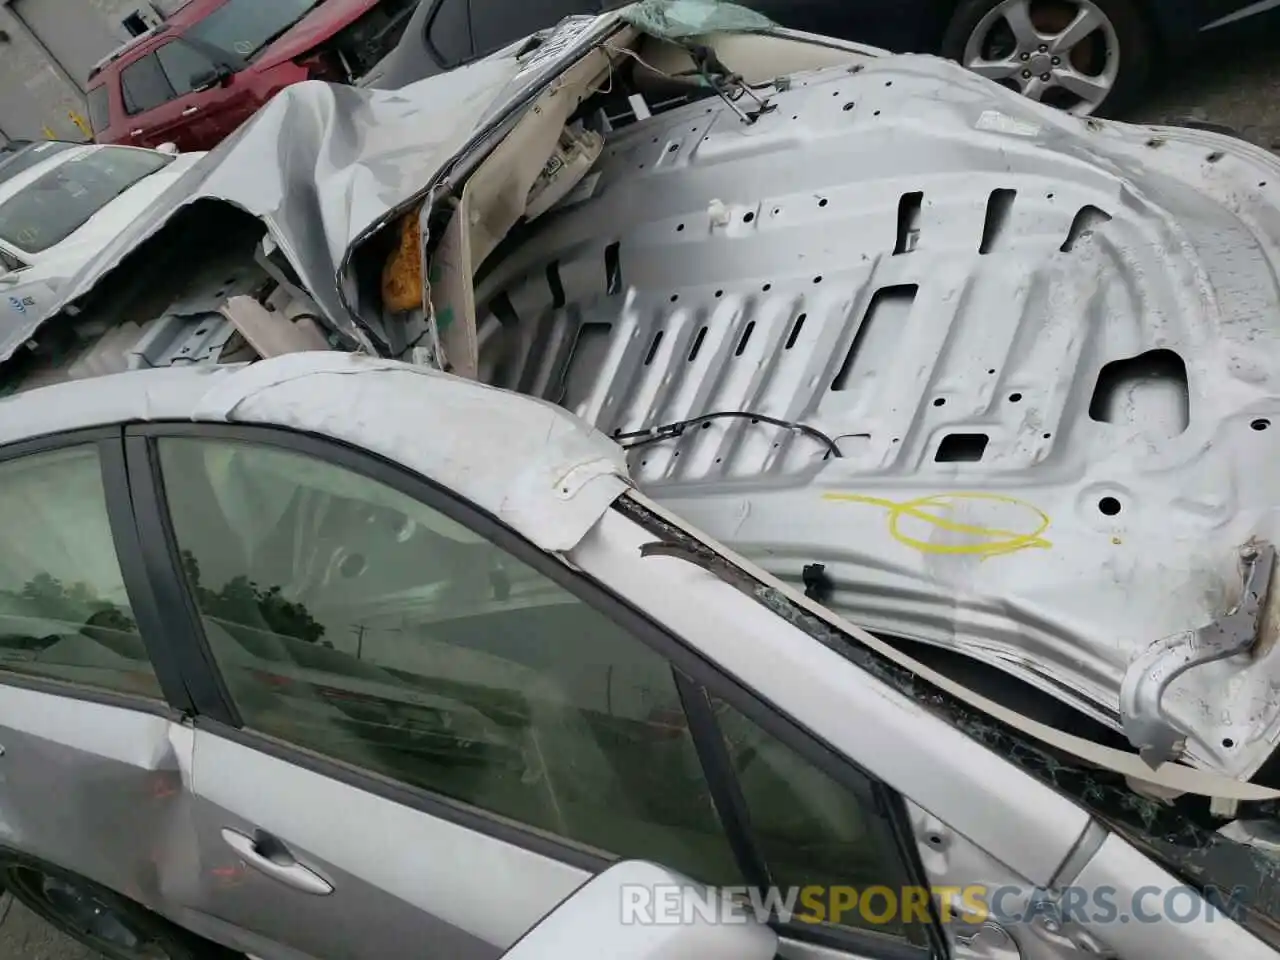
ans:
x=102 y=920
x=1083 y=56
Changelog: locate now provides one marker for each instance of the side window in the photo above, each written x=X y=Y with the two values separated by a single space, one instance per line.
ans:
x=99 y=108
x=356 y=622
x=64 y=614
x=9 y=263
x=144 y=85
x=495 y=24
x=449 y=32
x=183 y=64
x=813 y=831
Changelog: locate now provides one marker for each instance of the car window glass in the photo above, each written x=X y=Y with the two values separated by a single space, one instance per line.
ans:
x=812 y=830
x=64 y=613
x=495 y=24
x=13 y=164
x=243 y=28
x=352 y=620
x=9 y=263
x=144 y=85
x=449 y=32
x=59 y=202
x=183 y=64
x=99 y=109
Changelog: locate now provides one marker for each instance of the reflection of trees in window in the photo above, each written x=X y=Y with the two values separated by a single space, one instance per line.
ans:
x=243 y=601
x=77 y=603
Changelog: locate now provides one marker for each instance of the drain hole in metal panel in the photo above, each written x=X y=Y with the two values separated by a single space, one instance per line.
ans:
x=1149 y=391
x=795 y=331
x=653 y=348
x=961 y=448
x=889 y=309
x=908 y=223
x=613 y=268
x=999 y=205
x=697 y=344
x=1085 y=221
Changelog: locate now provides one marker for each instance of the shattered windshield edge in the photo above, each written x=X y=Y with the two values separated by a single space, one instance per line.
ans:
x=1197 y=854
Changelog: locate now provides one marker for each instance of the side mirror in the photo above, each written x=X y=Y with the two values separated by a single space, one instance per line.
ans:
x=641 y=911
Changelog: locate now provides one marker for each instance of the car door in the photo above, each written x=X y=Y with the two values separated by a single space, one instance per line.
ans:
x=416 y=733
x=154 y=111
x=205 y=109
x=94 y=766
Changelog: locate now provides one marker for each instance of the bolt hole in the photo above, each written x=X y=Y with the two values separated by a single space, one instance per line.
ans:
x=1262 y=183
x=823 y=202
x=675 y=297
x=1260 y=424
x=939 y=401
x=835 y=93
x=817 y=279
x=1049 y=196
x=767 y=287
x=747 y=218
x=848 y=106
x=1048 y=435
x=680 y=228
x=1215 y=156
x=876 y=114
x=1109 y=506
x=1228 y=742
x=888 y=83
x=673 y=148
x=719 y=294
x=991 y=371
x=897 y=439
x=935 y=840
x=1015 y=397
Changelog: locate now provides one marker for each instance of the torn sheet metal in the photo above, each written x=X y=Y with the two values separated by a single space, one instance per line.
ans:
x=683 y=19
x=319 y=165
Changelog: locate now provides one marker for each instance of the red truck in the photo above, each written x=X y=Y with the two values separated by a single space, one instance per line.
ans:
x=206 y=69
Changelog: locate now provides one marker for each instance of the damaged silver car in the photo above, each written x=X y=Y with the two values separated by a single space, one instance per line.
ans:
x=876 y=495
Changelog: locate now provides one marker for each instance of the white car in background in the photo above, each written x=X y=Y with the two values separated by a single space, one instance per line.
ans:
x=60 y=203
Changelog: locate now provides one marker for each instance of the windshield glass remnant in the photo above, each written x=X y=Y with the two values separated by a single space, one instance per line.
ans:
x=1181 y=835
x=58 y=203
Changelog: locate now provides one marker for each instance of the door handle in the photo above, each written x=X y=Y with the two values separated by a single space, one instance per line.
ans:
x=190 y=110
x=277 y=863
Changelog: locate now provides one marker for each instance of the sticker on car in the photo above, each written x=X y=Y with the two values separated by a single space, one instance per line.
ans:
x=569 y=31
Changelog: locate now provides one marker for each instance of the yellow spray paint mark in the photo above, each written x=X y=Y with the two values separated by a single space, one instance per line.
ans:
x=981 y=541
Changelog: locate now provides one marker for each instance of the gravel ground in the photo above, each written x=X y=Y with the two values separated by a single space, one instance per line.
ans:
x=1239 y=88
x=1241 y=91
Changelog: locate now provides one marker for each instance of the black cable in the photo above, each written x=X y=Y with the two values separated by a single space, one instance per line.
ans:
x=671 y=431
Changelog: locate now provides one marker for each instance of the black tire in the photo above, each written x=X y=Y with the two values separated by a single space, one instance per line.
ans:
x=30 y=882
x=1133 y=31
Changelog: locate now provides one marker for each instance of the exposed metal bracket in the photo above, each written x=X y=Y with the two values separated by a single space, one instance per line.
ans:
x=1142 y=714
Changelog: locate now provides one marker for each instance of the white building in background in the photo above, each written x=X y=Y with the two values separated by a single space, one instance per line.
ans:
x=47 y=48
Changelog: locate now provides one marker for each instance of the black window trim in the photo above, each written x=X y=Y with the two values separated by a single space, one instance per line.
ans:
x=432 y=49
x=124 y=91
x=120 y=515
x=215 y=712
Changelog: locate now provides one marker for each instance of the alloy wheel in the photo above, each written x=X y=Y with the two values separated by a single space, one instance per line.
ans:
x=1065 y=53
